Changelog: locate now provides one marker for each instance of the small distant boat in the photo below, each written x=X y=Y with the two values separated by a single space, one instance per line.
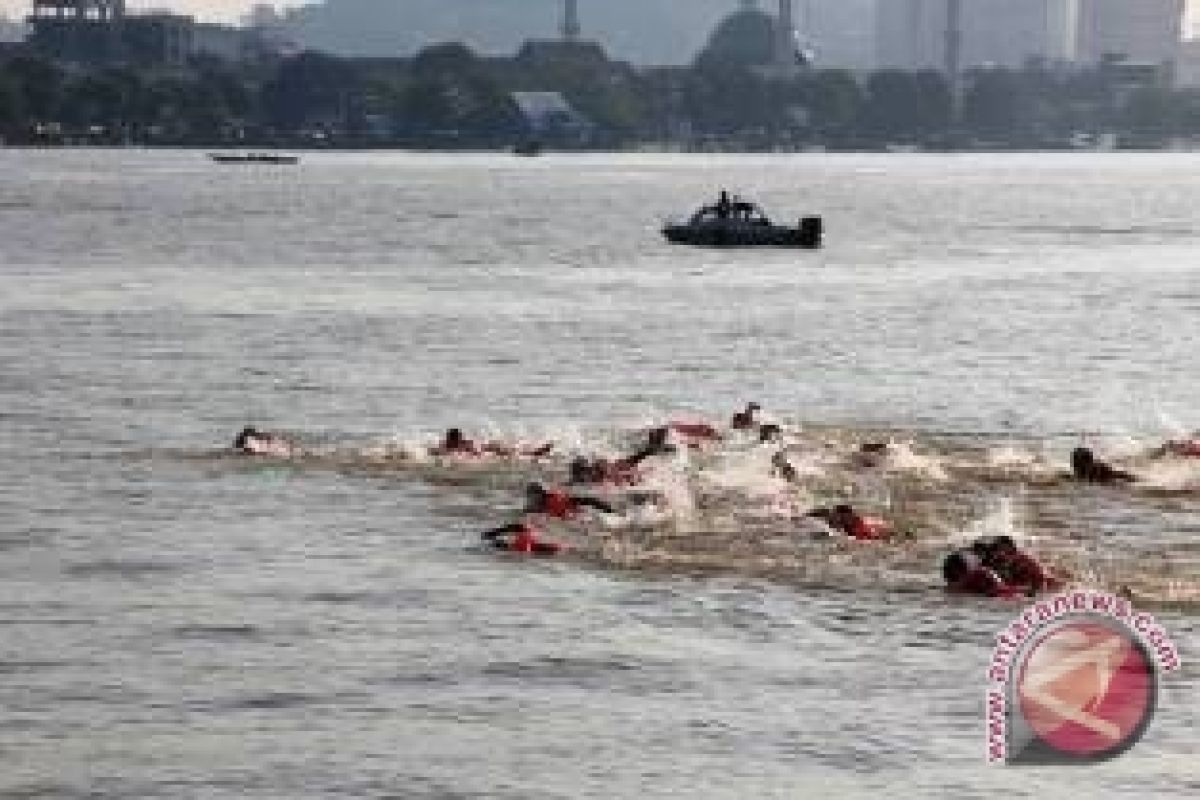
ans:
x=734 y=222
x=529 y=148
x=253 y=158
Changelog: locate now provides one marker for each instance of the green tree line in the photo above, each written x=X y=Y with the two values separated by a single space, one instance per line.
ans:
x=448 y=96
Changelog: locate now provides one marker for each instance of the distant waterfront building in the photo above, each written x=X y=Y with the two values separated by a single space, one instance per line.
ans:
x=10 y=31
x=910 y=34
x=913 y=34
x=1187 y=65
x=223 y=42
x=1142 y=31
x=549 y=117
x=101 y=32
x=77 y=30
x=158 y=39
x=268 y=32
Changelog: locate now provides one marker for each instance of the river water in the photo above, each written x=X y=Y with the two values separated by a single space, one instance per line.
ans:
x=178 y=622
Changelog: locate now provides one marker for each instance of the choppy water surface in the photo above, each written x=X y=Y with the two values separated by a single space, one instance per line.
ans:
x=176 y=622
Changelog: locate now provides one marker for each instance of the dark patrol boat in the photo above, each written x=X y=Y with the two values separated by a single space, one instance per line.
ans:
x=734 y=222
x=529 y=147
x=253 y=158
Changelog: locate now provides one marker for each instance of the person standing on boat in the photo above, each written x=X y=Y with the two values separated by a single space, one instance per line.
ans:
x=724 y=205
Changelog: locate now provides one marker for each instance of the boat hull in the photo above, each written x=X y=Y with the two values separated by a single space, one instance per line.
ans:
x=230 y=158
x=807 y=236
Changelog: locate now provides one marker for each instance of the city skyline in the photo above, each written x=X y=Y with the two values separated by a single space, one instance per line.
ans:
x=232 y=11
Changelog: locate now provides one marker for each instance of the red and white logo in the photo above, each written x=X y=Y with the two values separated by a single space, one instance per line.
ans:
x=1074 y=679
x=1086 y=688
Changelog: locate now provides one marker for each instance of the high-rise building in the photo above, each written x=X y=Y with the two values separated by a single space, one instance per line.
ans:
x=1010 y=33
x=914 y=34
x=910 y=34
x=1144 y=31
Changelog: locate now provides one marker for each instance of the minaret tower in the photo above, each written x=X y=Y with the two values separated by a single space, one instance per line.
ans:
x=785 y=38
x=953 y=66
x=570 y=22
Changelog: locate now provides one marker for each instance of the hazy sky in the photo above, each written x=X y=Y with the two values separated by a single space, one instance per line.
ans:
x=230 y=10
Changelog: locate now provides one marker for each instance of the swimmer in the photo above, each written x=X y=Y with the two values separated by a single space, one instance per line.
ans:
x=1086 y=467
x=1180 y=448
x=782 y=468
x=455 y=444
x=585 y=471
x=845 y=519
x=521 y=537
x=656 y=445
x=253 y=442
x=965 y=573
x=557 y=503
x=872 y=454
x=695 y=432
x=1014 y=566
x=769 y=433
x=745 y=420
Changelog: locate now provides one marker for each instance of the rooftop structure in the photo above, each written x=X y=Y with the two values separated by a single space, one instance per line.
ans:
x=78 y=10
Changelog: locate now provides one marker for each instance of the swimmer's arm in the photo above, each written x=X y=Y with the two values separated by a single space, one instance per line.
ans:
x=644 y=453
x=496 y=533
x=629 y=462
x=996 y=587
x=592 y=502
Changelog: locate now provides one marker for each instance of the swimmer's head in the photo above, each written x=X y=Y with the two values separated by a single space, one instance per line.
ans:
x=954 y=568
x=580 y=470
x=1004 y=544
x=1082 y=460
x=249 y=432
x=983 y=547
x=769 y=433
x=842 y=515
x=454 y=438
